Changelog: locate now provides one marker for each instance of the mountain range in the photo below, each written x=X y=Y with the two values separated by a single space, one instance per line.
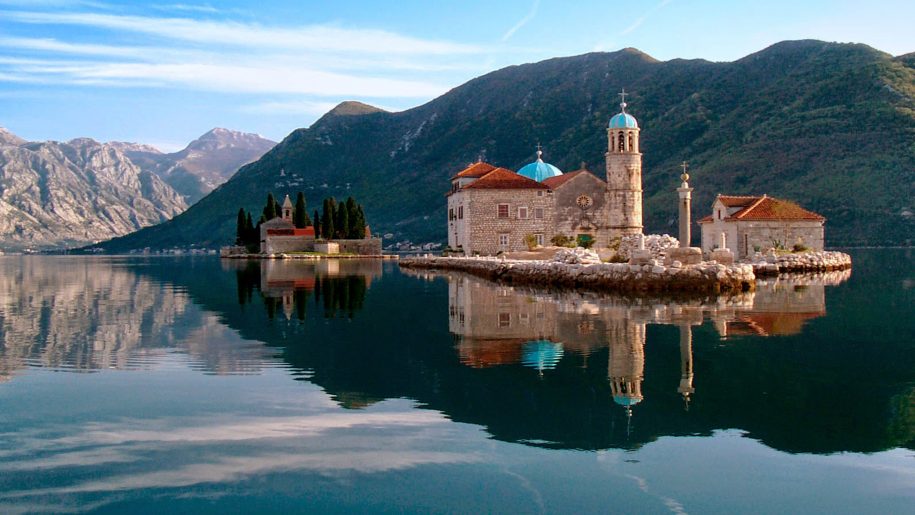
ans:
x=63 y=194
x=828 y=125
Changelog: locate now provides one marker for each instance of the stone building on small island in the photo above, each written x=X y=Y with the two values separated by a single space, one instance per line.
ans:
x=753 y=224
x=492 y=210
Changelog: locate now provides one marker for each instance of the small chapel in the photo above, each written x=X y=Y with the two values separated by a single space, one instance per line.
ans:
x=493 y=209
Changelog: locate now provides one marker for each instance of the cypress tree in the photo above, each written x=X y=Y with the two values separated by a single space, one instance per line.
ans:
x=300 y=218
x=270 y=207
x=240 y=227
x=327 y=220
x=343 y=222
x=316 y=222
x=359 y=223
x=250 y=235
x=351 y=217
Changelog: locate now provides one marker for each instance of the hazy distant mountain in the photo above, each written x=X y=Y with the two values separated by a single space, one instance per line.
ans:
x=55 y=194
x=828 y=125
x=204 y=164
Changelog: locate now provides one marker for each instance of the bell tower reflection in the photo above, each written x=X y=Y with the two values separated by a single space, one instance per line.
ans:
x=626 y=340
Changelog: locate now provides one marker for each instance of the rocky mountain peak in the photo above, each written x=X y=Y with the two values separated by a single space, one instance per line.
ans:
x=127 y=146
x=7 y=138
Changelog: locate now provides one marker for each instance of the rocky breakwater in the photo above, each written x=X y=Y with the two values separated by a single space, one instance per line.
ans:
x=824 y=261
x=584 y=272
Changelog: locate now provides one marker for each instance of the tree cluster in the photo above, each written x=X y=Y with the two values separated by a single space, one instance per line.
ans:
x=343 y=220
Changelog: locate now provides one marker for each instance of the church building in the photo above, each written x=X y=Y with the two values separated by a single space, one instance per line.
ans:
x=493 y=210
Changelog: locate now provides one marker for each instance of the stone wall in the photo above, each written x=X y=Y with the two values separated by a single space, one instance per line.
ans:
x=364 y=247
x=282 y=244
x=481 y=218
x=745 y=237
x=569 y=219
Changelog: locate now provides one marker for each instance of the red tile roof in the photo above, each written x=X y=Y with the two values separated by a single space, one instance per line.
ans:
x=474 y=171
x=305 y=231
x=559 y=180
x=737 y=200
x=768 y=208
x=764 y=208
x=504 y=179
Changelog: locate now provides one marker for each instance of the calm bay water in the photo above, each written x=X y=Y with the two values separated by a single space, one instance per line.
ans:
x=189 y=384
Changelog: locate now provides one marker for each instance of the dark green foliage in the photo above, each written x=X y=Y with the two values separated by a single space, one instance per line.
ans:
x=359 y=224
x=300 y=217
x=327 y=220
x=830 y=126
x=270 y=208
x=342 y=221
x=240 y=233
x=317 y=224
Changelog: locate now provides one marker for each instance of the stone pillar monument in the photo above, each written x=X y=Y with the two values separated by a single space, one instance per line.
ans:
x=685 y=192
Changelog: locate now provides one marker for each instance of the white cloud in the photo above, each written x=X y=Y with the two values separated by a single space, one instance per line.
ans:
x=233 y=57
x=522 y=22
x=641 y=19
x=306 y=38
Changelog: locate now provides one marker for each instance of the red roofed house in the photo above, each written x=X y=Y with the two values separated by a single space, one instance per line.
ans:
x=756 y=224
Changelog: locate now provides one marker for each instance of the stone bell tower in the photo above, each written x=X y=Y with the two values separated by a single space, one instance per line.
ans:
x=624 y=173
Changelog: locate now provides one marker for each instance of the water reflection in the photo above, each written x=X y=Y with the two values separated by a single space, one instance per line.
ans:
x=496 y=324
x=86 y=315
x=551 y=369
x=338 y=286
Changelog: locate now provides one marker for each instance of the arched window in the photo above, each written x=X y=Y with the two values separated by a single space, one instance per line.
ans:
x=631 y=146
x=622 y=142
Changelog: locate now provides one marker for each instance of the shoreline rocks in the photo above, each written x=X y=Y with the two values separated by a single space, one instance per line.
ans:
x=651 y=278
x=823 y=261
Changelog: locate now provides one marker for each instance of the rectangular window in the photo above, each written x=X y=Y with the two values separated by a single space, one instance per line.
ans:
x=503 y=240
x=503 y=210
x=460 y=212
x=505 y=319
x=522 y=212
x=540 y=193
x=539 y=238
x=538 y=213
x=451 y=214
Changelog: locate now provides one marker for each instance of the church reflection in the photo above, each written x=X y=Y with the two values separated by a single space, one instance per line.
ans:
x=286 y=287
x=496 y=325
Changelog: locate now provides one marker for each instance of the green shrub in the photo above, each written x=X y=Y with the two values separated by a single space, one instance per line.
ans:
x=561 y=240
x=531 y=241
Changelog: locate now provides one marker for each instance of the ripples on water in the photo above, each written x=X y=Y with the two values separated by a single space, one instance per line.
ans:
x=421 y=373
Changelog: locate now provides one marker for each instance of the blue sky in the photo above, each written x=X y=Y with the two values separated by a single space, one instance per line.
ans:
x=166 y=72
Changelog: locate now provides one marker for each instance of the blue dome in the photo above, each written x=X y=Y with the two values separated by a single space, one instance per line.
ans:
x=623 y=121
x=538 y=170
x=541 y=354
x=624 y=400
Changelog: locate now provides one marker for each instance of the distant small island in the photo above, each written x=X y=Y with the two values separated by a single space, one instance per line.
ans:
x=287 y=231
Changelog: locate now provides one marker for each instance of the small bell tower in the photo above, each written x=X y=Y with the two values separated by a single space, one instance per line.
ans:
x=624 y=173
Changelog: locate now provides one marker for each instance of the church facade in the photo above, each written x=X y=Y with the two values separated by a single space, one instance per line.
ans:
x=493 y=210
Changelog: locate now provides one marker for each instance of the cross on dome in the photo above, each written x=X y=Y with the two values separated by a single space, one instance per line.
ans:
x=623 y=103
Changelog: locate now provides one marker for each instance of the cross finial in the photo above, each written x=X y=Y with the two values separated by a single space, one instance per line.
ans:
x=623 y=103
x=539 y=151
x=684 y=176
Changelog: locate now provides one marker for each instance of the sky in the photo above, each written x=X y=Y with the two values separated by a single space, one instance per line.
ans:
x=163 y=73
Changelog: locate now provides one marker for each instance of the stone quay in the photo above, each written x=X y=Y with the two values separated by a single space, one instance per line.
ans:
x=651 y=278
